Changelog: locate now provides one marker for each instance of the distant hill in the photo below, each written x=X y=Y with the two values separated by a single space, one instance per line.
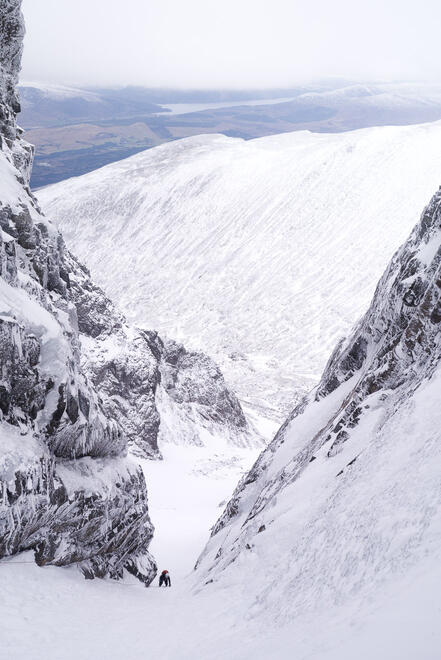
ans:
x=56 y=105
x=78 y=130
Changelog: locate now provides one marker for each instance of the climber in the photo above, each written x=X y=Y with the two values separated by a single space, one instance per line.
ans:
x=164 y=579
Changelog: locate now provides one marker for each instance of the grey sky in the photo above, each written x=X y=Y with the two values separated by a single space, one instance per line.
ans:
x=229 y=43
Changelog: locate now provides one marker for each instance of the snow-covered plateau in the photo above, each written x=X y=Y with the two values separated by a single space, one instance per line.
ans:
x=262 y=253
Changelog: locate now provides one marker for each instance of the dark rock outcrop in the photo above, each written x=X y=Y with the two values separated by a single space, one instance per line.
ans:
x=193 y=389
x=159 y=392
x=192 y=377
x=126 y=374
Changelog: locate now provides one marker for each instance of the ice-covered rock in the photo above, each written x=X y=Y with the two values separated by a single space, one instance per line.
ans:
x=195 y=390
x=78 y=386
x=160 y=393
x=68 y=490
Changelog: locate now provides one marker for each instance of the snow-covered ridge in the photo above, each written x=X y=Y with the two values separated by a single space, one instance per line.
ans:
x=346 y=498
x=261 y=253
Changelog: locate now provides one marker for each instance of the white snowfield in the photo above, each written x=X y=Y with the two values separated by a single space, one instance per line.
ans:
x=338 y=598
x=260 y=253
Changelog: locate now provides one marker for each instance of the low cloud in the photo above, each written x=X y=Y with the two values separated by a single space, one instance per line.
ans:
x=229 y=43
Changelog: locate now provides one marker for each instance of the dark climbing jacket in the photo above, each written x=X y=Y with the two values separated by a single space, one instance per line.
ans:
x=164 y=579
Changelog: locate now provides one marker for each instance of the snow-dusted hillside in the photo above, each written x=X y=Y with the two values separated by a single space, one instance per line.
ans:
x=396 y=102
x=262 y=253
x=50 y=105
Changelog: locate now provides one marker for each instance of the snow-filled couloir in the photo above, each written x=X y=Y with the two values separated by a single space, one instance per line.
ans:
x=261 y=253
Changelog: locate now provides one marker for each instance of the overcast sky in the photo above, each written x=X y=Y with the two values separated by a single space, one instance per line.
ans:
x=229 y=43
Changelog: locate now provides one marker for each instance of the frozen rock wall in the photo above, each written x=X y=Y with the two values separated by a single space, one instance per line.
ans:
x=78 y=386
x=67 y=488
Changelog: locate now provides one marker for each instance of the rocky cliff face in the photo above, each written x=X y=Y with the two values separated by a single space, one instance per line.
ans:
x=68 y=489
x=11 y=48
x=347 y=493
x=78 y=386
x=154 y=388
x=159 y=392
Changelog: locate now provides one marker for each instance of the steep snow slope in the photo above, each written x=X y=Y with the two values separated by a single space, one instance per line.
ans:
x=48 y=614
x=187 y=491
x=346 y=500
x=262 y=253
x=234 y=618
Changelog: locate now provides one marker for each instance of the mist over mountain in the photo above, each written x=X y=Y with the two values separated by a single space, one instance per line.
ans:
x=243 y=45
